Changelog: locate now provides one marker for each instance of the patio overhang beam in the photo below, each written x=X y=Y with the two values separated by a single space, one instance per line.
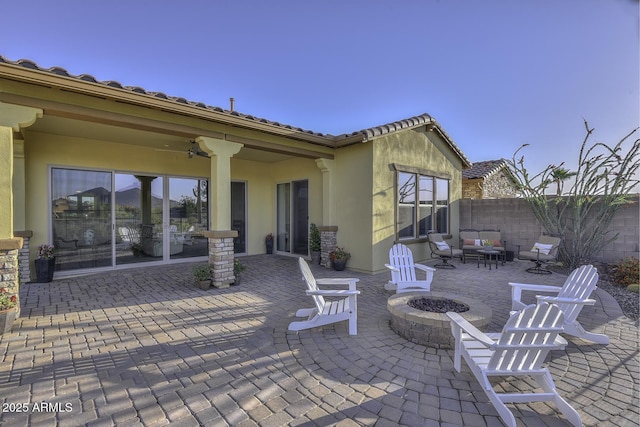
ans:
x=58 y=109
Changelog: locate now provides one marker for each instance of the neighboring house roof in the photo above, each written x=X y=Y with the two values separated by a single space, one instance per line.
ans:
x=229 y=116
x=485 y=169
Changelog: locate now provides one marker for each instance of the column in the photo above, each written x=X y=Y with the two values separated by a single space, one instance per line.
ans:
x=12 y=119
x=327 y=167
x=328 y=233
x=220 y=183
x=220 y=234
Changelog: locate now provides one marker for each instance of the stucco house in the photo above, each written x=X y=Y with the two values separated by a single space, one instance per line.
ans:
x=115 y=176
x=490 y=179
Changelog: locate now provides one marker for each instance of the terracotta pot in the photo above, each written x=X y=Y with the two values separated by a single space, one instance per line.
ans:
x=7 y=317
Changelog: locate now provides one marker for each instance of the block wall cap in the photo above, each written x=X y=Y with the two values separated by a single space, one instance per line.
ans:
x=11 y=244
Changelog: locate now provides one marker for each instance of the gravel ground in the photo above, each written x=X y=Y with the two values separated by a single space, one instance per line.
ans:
x=629 y=301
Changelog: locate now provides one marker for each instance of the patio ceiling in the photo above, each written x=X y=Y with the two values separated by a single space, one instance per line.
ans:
x=172 y=144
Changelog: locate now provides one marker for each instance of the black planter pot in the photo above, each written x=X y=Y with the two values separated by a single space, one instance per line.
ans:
x=269 y=244
x=44 y=269
x=339 y=264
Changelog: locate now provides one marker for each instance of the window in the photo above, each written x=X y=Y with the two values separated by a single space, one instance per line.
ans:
x=423 y=205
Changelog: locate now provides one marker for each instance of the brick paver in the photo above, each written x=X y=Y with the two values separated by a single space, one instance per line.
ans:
x=145 y=346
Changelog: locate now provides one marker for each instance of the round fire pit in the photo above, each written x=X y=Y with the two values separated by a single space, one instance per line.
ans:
x=430 y=328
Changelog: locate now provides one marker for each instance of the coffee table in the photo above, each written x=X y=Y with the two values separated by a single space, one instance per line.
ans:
x=487 y=254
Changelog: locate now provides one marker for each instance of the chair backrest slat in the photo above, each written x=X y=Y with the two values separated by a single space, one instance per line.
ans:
x=401 y=257
x=311 y=284
x=579 y=285
x=527 y=338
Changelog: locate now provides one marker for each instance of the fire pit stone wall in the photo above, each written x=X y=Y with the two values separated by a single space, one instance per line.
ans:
x=432 y=329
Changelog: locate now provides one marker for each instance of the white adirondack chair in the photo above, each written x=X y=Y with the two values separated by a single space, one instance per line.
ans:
x=519 y=351
x=326 y=312
x=403 y=271
x=571 y=297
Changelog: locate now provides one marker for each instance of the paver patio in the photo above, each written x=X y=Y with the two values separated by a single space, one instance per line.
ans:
x=145 y=346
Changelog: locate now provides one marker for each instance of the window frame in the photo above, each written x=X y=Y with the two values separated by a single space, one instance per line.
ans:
x=419 y=203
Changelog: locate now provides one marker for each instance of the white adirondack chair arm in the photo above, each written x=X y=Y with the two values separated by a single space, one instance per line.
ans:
x=336 y=293
x=336 y=281
x=424 y=267
x=539 y=288
x=392 y=268
x=517 y=288
x=556 y=300
x=339 y=281
x=471 y=330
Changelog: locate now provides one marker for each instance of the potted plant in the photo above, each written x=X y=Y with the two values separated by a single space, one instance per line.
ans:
x=238 y=268
x=8 y=310
x=45 y=263
x=136 y=248
x=339 y=258
x=202 y=275
x=314 y=244
x=268 y=241
x=487 y=244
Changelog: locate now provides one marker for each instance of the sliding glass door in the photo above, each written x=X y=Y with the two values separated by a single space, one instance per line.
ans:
x=292 y=217
x=81 y=218
x=139 y=211
x=103 y=219
x=188 y=218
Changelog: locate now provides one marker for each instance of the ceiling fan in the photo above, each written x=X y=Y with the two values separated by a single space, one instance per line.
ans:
x=194 y=150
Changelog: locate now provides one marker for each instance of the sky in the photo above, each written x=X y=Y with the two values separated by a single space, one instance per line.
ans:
x=495 y=74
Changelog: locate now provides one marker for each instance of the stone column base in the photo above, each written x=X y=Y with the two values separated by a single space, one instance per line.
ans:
x=23 y=255
x=328 y=242
x=221 y=256
x=9 y=249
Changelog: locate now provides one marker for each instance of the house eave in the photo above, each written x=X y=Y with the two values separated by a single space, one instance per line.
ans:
x=117 y=94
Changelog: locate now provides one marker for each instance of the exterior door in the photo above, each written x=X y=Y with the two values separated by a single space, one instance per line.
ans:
x=292 y=217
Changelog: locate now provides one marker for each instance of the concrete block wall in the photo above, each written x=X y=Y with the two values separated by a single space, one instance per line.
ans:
x=515 y=220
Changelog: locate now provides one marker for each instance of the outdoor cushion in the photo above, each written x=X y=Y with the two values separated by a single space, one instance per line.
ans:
x=442 y=246
x=544 y=248
x=471 y=242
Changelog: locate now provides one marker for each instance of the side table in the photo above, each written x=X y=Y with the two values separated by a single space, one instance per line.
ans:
x=487 y=254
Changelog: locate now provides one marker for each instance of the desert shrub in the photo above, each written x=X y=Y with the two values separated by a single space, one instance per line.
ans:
x=634 y=288
x=627 y=271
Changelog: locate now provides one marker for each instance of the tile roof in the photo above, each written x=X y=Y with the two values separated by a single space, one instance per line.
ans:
x=363 y=135
x=484 y=169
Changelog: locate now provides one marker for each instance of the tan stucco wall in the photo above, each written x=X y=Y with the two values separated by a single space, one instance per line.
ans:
x=261 y=182
x=6 y=172
x=44 y=150
x=418 y=149
x=353 y=202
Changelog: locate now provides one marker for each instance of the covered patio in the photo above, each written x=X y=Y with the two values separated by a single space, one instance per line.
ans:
x=145 y=346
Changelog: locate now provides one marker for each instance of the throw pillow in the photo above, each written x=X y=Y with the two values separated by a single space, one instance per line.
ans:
x=542 y=247
x=470 y=242
x=477 y=242
x=442 y=246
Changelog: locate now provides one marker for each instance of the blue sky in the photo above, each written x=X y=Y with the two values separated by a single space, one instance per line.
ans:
x=495 y=74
